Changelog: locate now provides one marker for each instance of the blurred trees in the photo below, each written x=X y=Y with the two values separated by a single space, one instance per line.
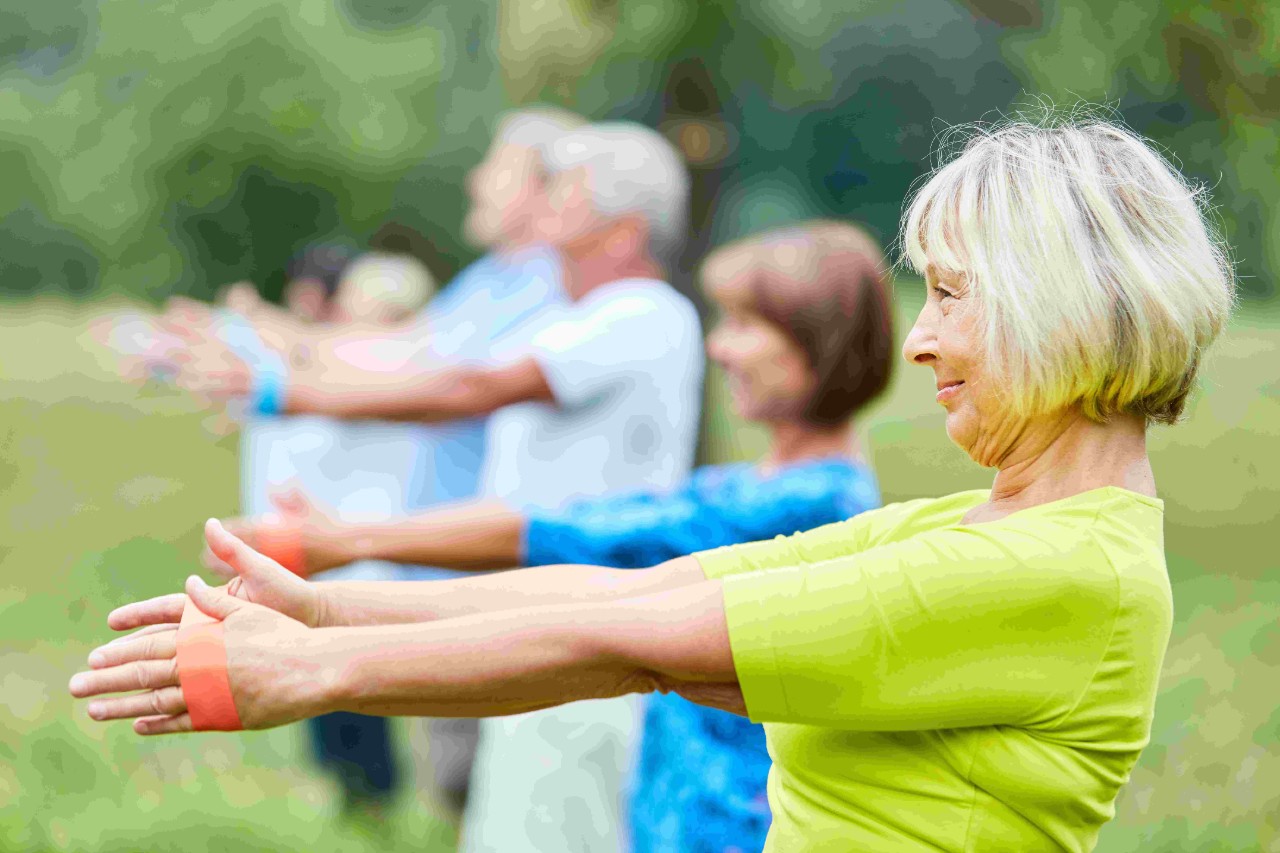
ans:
x=172 y=148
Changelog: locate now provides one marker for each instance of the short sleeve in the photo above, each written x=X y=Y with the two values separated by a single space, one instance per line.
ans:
x=621 y=339
x=837 y=539
x=955 y=627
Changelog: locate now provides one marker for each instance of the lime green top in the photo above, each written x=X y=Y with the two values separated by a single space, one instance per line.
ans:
x=929 y=685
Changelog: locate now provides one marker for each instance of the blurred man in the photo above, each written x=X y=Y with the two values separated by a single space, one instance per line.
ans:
x=517 y=278
x=608 y=391
x=595 y=394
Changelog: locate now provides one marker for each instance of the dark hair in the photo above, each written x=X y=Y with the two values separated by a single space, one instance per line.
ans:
x=822 y=283
x=324 y=263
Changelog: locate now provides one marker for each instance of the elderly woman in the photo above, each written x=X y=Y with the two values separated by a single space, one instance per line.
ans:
x=973 y=672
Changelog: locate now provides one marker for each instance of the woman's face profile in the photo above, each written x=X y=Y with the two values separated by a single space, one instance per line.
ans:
x=945 y=338
x=768 y=375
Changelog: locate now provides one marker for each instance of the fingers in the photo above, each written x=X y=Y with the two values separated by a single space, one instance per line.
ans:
x=165 y=702
x=154 y=611
x=141 y=632
x=138 y=675
x=158 y=645
x=163 y=725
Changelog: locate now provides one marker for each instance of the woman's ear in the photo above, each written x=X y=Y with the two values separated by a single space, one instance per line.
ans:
x=626 y=238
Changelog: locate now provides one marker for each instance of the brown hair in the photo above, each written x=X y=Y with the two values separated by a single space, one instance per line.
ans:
x=822 y=283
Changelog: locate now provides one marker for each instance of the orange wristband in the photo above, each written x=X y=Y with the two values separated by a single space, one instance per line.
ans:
x=202 y=672
x=284 y=545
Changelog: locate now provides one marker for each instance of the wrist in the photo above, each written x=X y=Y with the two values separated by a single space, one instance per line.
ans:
x=327 y=612
x=337 y=665
x=269 y=386
x=329 y=688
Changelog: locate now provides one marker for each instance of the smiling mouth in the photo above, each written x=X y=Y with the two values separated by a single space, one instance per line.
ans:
x=946 y=390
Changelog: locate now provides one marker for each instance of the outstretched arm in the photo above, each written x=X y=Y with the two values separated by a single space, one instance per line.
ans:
x=353 y=603
x=442 y=393
x=485 y=665
x=470 y=536
x=538 y=657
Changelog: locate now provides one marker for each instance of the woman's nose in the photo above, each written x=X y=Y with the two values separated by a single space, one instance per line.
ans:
x=920 y=347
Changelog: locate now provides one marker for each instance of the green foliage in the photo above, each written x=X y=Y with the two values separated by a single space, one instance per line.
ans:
x=154 y=149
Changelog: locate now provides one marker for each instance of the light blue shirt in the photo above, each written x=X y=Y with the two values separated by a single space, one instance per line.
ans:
x=375 y=469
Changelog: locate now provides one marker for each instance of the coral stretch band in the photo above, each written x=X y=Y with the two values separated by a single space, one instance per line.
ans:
x=202 y=672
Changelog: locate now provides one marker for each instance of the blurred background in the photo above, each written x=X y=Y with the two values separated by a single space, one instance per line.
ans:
x=150 y=150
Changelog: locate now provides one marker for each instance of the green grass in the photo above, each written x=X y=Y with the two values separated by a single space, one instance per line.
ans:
x=105 y=490
x=105 y=493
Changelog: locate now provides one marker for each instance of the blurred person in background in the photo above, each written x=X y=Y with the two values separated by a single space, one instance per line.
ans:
x=805 y=341
x=971 y=672
x=364 y=471
x=518 y=277
x=593 y=394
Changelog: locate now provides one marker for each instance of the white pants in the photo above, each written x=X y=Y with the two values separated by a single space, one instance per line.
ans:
x=554 y=781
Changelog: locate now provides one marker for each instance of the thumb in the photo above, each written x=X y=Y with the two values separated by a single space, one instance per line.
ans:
x=212 y=602
x=231 y=549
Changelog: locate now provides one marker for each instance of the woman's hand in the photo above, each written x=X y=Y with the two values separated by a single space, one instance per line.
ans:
x=276 y=672
x=298 y=524
x=254 y=578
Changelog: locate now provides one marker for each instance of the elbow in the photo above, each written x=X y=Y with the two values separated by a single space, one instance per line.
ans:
x=617 y=672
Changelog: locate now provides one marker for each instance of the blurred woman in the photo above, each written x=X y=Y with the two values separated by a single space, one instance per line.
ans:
x=972 y=672
x=805 y=342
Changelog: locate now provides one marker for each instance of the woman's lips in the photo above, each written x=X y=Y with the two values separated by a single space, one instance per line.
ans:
x=947 y=390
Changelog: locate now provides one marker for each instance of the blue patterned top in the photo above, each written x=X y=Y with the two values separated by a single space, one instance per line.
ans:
x=702 y=773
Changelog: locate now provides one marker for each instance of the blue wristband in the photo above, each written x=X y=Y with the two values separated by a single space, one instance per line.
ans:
x=269 y=373
x=269 y=384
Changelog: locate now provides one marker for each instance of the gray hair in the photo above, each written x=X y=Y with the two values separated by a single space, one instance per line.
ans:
x=535 y=128
x=631 y=170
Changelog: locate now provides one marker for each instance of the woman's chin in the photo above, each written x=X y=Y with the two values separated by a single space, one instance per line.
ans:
x=960 y=434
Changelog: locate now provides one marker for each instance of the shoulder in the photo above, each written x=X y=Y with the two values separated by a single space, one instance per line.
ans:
x=641 y=297
x=905 y=519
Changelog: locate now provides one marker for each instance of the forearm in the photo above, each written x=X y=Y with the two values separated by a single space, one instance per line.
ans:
x=344 y=390
x=354 y=603
x=472 y=536
x=483 y=665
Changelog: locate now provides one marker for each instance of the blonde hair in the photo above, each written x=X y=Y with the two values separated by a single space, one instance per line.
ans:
x=385 y=288
x=1098 y=278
